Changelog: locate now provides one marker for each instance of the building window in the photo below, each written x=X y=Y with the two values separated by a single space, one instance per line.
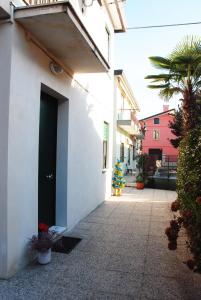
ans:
x=105 y=144
x=108 y=43
x=156 y=121
x=156 y=134
x=122 y=152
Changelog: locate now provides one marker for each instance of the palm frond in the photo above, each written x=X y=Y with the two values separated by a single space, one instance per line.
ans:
x=189 y=46
x=197 y=70
x=182 y=70
x=160 y=62
x=159 y=77
x=184 y=60
x=168 y=93
x=158 y=86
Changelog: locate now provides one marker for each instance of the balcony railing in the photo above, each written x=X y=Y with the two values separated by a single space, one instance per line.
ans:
x=127 y=120
x=127 y=115
x=40 y=2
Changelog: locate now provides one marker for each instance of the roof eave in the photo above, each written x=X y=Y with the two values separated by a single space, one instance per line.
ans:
x=127 y=89
x=161 y=113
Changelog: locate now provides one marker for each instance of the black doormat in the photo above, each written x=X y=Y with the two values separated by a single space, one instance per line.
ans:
x=65 y=244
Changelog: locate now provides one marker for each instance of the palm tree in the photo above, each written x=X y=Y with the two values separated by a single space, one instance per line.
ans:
x=182 y=76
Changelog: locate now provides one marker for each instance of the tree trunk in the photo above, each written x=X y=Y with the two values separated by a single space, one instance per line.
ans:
x=189 y=108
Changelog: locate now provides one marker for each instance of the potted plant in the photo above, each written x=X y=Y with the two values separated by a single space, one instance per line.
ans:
x=139 y=182
x=141 y=178
x=118 y=180
x=42 y=243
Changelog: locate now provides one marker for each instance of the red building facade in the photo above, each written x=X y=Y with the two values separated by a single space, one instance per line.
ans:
x=158 y=134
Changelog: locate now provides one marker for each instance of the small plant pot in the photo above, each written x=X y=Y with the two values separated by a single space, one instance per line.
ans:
x=117 y=192
x=44 y=257
x=139 y=185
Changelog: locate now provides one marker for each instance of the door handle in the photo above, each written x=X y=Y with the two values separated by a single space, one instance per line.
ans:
x=49 y=176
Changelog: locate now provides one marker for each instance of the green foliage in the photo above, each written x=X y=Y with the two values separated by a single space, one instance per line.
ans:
x=188 y=171
x=189 y=189
x=182 y=75
x=160 y=62
x=139 y=178
x=191 y=45
x=118 y=181
x=142 y=161
x=176 y=127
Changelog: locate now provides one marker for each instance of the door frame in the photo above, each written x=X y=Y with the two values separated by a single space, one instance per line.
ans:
x=61 y=155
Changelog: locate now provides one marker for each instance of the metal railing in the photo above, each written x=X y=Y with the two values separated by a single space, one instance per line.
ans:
x=161 y=171
x=167 y=164
x=40 y=2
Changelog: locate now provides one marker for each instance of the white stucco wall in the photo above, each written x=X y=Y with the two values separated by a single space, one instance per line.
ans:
x=5 y=67
x=86 y=185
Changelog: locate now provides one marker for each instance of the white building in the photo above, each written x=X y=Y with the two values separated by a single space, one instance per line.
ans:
x=127 y=128
x=56 y=116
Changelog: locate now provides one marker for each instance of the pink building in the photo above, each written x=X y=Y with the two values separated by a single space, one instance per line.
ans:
x=158 y=134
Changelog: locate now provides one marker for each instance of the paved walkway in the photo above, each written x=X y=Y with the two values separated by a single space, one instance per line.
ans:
x=130 y=180
x=123 y=255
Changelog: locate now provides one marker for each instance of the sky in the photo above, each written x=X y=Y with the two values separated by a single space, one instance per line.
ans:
x=133 y=48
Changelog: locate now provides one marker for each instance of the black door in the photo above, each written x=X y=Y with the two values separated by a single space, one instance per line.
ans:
x=47 y=160
x=157 y=153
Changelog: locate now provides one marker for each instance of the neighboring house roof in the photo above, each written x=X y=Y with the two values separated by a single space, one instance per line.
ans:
x=159 y=114
x=123 y=82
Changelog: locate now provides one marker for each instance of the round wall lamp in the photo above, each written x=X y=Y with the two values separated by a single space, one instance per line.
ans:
x=55 y=68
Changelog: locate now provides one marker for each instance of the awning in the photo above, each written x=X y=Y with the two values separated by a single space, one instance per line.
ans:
x=58 y=28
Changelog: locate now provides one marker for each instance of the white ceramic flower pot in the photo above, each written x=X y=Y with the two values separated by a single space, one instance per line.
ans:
x=44 y=257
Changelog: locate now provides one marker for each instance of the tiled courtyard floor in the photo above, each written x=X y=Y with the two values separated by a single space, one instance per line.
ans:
x=123 y=255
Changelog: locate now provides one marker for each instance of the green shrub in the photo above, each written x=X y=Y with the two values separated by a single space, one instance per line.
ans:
x=142 y=164
x=189 y=189
x=189 y=170
x=139 y=178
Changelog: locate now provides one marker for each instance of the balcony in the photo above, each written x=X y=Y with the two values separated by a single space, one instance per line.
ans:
x=56 y=26
x=127 y=121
